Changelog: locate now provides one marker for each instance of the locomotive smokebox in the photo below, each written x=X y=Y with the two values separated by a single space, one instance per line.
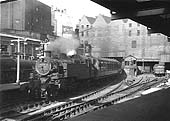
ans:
x=47 y=53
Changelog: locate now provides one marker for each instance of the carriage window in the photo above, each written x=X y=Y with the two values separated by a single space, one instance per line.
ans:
x=112 y=65
x=134 y=44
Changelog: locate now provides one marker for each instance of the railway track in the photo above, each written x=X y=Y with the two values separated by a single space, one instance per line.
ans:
x=81 y=105
x=15 y=110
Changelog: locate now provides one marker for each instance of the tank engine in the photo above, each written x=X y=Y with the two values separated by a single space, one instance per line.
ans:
x=65 y=75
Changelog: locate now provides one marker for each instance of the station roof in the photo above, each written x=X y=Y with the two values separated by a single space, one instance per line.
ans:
x=4 y=1
x=154 y=14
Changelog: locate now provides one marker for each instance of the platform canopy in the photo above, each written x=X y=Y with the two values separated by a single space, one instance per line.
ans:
x=4 y=1
x=155 y=14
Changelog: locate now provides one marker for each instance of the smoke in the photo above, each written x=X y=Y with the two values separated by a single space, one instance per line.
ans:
x=72 y=52
x=63 y=45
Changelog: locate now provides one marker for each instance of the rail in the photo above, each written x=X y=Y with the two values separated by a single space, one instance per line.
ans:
x=85 y=103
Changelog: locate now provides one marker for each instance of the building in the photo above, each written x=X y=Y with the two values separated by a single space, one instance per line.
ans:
x=26 y=17
x=86 y=28
x=101 y=43
x=149 y=49
x=62 y=22
x=123 y=37
x=28 y=46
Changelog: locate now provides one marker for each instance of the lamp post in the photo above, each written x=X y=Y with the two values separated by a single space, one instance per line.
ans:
x=24 y=49
x=18 y=58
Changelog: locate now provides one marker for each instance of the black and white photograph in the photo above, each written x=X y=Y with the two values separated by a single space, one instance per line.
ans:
x=84 y=60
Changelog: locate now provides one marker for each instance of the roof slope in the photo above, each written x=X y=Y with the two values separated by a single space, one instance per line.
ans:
x=91 y=19
x=106 y=18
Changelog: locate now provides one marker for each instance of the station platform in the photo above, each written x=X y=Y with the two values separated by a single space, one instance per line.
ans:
x=12 y=86
x=151 y=107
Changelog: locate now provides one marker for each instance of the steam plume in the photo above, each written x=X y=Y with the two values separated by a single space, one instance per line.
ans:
x=63 y=45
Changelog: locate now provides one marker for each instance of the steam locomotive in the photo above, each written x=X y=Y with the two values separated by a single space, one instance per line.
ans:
x=49 y=76
x=65 y=75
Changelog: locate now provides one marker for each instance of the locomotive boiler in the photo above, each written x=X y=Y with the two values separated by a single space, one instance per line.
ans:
x=67 y=75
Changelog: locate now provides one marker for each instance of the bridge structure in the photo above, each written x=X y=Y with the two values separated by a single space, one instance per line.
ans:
x=155 y=14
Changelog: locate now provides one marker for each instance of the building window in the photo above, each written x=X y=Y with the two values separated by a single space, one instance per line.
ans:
x=138 y=32
x=126 y=63
x=125 y=20
x=133 y=44
x=82 y=34
x=130 y=32
x=168 y=39
x=87 y=33
x=130 y=24
x=36 y=9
